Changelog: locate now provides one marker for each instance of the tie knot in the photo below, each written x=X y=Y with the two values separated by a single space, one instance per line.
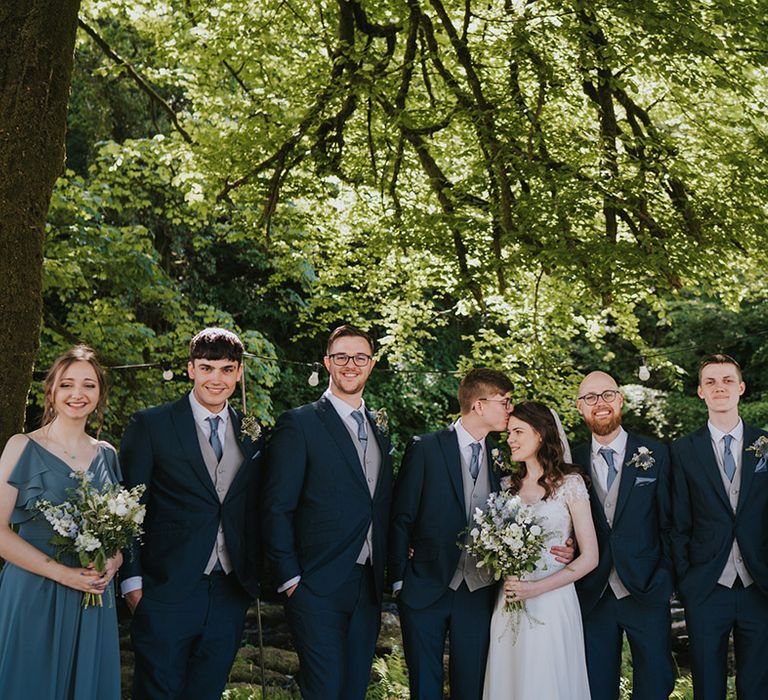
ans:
x=606 y=453
x=475 y=450
x=214 y=421
x=728 y=439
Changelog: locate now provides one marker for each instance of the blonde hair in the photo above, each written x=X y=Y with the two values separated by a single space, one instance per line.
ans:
x=79 y=353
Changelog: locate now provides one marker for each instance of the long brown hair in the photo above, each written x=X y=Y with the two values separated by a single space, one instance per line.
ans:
x=79 y=353
x=550 y=454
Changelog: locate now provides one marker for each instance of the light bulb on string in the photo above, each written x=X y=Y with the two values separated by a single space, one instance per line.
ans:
x=314 y=378
x=167 y=375
x=643 y=373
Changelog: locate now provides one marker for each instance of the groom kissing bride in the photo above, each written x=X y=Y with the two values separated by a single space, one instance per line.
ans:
x=440 y=591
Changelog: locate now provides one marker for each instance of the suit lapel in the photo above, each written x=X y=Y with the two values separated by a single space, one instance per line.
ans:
x=493 y=472
x=449 y=444
x=382 y=441
x=702 y=444
x=627 y=477
x=748 y=464
x=184 y=424
x=583 y=457
x=335 y=427
x=246 y=447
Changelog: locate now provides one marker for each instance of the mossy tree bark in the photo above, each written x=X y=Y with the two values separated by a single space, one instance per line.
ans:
x=37 y=39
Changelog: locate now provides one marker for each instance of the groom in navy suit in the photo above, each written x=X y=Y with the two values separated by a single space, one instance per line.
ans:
x=720 y=538
x=440 y=591
x=191 y=582
x=326 y=500
x=629 y=591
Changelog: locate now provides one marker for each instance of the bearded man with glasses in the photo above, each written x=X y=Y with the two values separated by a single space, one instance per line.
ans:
x=629 y=591
x=326 y=501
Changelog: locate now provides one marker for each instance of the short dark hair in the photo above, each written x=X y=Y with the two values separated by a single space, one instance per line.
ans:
x=216 y=344
x=719 y=359
x=479 y=382
x=347 y=330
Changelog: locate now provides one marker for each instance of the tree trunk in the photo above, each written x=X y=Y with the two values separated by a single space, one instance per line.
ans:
x=37 y=40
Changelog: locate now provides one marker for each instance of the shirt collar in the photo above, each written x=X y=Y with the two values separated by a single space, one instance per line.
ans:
x=342 y=407
x=463 y=436
x=717 y=435
x=618 y=444
x=201 y=413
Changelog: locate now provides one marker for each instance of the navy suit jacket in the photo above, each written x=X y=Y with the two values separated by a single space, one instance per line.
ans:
x=704 y=522
x=638 y=544
x=160 y=448
x=316 y=504
x=429 y=515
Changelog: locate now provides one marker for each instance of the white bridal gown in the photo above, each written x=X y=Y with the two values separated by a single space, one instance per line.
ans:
x=543 y=657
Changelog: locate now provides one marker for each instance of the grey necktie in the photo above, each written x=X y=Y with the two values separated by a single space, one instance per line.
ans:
x=218 y=450
x=729 y=463
x=474 y=463
x=607 y=454
x=362 y=437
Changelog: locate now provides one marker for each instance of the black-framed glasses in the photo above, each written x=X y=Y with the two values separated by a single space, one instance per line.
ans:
x=609 y=396
x=507 y=403
x=341 y=359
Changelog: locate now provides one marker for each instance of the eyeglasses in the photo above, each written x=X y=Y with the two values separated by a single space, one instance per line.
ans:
x=507 y=403
x=609 y=396
x=341 y=359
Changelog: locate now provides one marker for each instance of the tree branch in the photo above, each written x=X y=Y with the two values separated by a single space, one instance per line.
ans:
x=137 y=78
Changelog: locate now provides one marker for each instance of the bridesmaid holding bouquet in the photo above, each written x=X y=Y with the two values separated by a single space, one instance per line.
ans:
x=51 y=648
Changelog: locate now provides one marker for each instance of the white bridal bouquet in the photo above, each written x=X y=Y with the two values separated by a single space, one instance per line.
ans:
x=95 y=525
x=507 y=538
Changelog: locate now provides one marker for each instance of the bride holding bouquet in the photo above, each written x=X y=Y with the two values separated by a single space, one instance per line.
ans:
x=536 y=639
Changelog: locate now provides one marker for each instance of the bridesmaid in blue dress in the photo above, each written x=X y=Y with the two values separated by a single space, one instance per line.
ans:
x=50 y=647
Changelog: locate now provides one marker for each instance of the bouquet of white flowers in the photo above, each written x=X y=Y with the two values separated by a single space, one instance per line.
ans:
x=95 y=525
x=507 y=538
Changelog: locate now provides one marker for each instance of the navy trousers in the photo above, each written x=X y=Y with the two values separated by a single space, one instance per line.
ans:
x=465 y=619
x=648 y=630
x=184 y=649
x=335 y=637
x=745 y=611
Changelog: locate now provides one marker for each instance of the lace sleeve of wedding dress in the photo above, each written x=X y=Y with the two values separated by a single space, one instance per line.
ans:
x=563 y=438
x=574 y=488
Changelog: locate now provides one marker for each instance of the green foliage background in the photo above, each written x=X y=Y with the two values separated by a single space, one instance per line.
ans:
x=543 y=187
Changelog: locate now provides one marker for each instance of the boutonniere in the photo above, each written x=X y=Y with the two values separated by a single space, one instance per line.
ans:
x=250 y=427
x=642 y=459
x=760 y=448
x=500 y=460
x=381 y=419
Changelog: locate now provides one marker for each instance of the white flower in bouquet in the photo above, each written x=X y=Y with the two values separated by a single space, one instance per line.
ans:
x=95 y=525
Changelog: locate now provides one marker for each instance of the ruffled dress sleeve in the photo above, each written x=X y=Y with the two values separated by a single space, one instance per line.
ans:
x=28 y=476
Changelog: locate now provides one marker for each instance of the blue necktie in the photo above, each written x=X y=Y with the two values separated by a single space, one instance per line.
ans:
x=607 y=455
x=474 y=463
x=729 y=463
x=218 y=450
x=362 y=438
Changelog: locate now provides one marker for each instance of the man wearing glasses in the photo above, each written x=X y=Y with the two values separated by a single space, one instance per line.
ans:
x=440 y=591
x=326 y=501
x=629 y=591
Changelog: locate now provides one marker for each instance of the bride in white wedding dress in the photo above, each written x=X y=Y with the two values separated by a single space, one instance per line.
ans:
x=540 y=655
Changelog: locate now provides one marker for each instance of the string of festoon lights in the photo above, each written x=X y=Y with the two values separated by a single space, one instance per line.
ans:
x=646 y=362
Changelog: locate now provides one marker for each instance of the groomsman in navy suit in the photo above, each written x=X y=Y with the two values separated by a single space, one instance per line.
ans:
x=326 y=501
x=191 y=582
x=629 y=591
x=440 y=591
x=720 y=538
